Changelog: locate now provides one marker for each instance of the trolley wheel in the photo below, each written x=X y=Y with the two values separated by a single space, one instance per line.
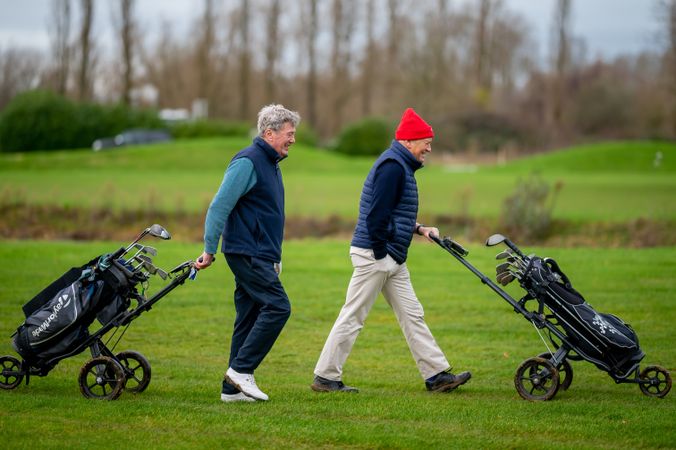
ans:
x=655 y=381
x=101 y=378
x=565 y=371
x=137 y=370
x=11 y=372
x=536 y=379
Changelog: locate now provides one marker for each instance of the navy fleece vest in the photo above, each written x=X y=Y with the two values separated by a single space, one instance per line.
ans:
x=255 y=227
x=403 y=219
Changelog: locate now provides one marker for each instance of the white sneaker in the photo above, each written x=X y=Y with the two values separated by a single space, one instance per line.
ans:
x=246 y=383
x=238 y=397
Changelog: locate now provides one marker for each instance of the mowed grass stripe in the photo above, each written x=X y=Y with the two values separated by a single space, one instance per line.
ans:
x=614 y=182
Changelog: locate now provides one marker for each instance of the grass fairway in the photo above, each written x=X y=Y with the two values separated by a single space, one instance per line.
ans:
x=186 y=337
x=611 y=182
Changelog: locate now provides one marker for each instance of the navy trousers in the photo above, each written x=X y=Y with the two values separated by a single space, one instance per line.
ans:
x=262 y=308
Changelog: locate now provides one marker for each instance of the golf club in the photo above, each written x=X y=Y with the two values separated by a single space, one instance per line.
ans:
x=154 y=230
x=497 y=238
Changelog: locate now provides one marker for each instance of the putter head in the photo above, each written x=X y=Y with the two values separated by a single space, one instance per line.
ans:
x=159 y=231
x=495 y=239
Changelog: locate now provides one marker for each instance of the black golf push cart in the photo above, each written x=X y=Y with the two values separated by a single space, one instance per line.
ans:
x=576 y=331
x=109 y=289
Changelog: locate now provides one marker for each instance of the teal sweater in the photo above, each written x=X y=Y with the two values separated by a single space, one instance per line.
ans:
x=239 y=178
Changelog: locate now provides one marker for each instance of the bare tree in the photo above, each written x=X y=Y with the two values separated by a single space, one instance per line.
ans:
x=311 y=28
x=61 y=46
x=562 y=46
x=126 y=27
x=392 y=50
x=166 y=65
x=244 y=58
x=205 y=51
x=343 y=27
x=669 y=7
x=272 y=46
x=481 y=46
x=19 y=71
x=84 y=77
x=368 y=64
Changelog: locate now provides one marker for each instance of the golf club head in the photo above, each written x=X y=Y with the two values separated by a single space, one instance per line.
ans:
x=503 y=254
x=144 y=258
x=504 y=278
x=152 y=270
x=495 y=239
x=161 y=273
x=152 y=251
x=503 y=267
x=159 y=231
x=146 y=249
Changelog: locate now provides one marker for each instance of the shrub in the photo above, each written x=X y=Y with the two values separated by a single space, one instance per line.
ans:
x=367 y=137
x=306 y=135
x=527 y=213
x=42 y=120
x=37 y=120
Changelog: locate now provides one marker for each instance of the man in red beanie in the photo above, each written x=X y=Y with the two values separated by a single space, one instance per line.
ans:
x=387 y=220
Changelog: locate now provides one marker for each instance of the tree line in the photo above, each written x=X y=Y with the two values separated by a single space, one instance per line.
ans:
x=471 y=69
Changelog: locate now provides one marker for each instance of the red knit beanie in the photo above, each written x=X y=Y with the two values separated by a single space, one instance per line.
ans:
x=413 y=127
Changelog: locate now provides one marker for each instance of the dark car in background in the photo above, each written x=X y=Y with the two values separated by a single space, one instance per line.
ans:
x=136 y=136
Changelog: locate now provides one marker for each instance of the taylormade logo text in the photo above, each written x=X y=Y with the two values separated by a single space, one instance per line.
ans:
x=55 y=313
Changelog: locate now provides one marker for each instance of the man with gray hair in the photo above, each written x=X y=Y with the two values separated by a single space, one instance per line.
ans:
x=248 y=212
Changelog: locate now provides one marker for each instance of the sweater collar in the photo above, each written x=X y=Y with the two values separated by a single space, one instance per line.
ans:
x=406 y=155
x=267 y=149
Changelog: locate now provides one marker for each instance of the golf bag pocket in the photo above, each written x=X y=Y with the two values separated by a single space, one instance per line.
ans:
x=115 y=306
x=58 y=323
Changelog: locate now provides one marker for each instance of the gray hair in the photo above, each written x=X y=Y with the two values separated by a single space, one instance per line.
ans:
x=274 y=117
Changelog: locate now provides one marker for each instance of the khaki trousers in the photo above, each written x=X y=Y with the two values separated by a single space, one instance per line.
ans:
x=370 y=277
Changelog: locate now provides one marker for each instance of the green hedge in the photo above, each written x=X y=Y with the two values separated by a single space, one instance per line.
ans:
x=367 y=137
x=42 y=120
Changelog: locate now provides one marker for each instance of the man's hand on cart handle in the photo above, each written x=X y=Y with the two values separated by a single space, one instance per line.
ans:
x=429 y=232
x=204 y=261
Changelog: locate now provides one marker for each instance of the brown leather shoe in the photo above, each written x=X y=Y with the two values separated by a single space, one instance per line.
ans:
x=321 y=384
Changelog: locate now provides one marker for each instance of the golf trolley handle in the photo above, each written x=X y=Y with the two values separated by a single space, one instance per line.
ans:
x=450 y=245
x=453 y=247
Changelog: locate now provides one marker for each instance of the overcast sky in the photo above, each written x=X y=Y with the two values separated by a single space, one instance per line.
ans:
x=609 y=27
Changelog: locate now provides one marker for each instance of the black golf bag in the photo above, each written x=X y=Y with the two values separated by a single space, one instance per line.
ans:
x=58 y=318
x=603 y=339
